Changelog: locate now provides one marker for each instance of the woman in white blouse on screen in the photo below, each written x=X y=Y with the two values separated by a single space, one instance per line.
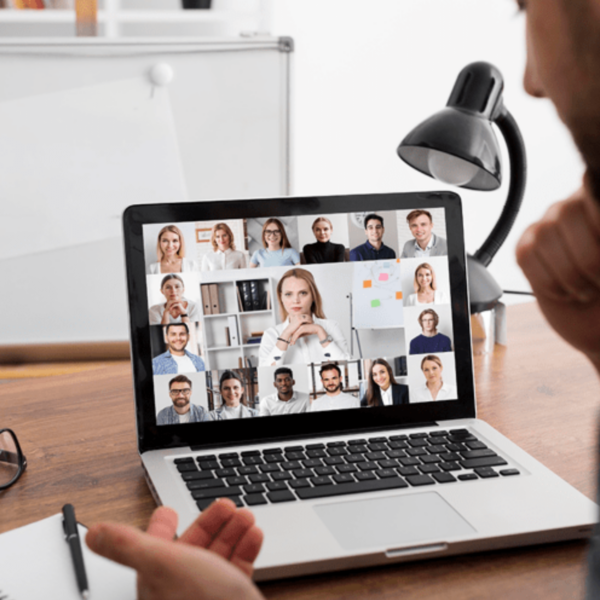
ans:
x=224 y=255
x=434 y=387
x=170 y=251
x=176 y=308
x=306 y=335
x=426 y=289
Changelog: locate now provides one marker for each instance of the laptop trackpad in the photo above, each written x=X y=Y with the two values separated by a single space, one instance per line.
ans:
x=393 y=521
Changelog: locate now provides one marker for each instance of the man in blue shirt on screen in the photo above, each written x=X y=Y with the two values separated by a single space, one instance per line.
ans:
x=373 y=248
x=177 y=359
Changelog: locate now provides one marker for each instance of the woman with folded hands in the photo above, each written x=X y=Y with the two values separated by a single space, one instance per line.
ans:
x=176 y=309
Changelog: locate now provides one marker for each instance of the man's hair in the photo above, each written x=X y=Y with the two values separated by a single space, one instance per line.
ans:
x=413 y=214
x=330 y=367
x=179 y=379
x=429 y=311
x=372 y=216
x=283 y=371
x=177 y=325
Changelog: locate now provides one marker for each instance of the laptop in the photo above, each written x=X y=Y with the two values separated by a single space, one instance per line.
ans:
x=305 y=358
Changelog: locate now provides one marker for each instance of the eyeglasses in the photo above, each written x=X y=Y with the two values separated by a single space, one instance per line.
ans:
x=272 y=232
x=185 y=392
x=12 y=461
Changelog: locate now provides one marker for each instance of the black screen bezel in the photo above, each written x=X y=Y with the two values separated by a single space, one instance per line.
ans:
x=207 y=435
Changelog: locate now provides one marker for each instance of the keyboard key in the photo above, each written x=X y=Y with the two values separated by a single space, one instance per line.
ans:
x=468 y=477
x=289 y=456
x=269 y=468
x=281 y=476
x=398 y=445
x=417 y=452
x=316 y=453
x=477 y=445
x=216 y=493
x=225 y=472
x=185 y=459
x=321 y=481
x=449 y=466
x=377 y=440
x=429 y=469
x=408 y=471
x=365 y=476
x=355 y=458
x=273 y=451
x=226 y=455
x=254 y=499
x=299 y=483
x=450 y=456
x=289 y=449
x=312 y=462
x=283 y=496
x=325 y=471
x=343 y=478
x=186 y=467
x=254 y=488
x=367 y=466
x=275 y=486
x=339 y=444
x=418 y=480
x=231 y=462
x=193 y=475
x=377 y=447
x=386 y=473
x=303 y=473
x=417 y=443
x=409 y=461
x=489 y=461
x=291 y=466
x=420 y=434
x=274 y=458
x=388 y=464
x=436 y=449
x=358 y=442
x=333 y=460
x=357 y=449
x=431 y=459
x=253 y=460
x=337 y=451
x=398 y=438
x=478 y=453
x=259 y=478
x=208 y=465
x=443 y=477
x=237 y=480
x=461 y=438
x=205 y=484
x=396 y=453
x=247 y=470
x=342 y=489
x=315 y=446
x=506 y=472
x=250 y=453
x=485 y=472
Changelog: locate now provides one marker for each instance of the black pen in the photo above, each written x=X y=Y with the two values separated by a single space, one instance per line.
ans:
x=72 y=537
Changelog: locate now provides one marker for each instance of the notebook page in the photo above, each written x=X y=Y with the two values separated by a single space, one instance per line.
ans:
x=35 y=562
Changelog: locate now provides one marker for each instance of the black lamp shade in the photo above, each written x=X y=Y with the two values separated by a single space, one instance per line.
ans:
x=456 y=147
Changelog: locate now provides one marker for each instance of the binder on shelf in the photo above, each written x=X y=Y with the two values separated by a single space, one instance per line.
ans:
x=246 y=295
x=239 y=298
x=233 y=330
x=227 y=336
x=214 y=298
x=206 y=306
x=255 y=295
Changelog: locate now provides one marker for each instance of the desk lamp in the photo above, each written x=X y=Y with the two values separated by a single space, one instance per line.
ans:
x=458 y=146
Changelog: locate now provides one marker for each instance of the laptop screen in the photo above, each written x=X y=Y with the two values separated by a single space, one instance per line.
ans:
x=273 y=313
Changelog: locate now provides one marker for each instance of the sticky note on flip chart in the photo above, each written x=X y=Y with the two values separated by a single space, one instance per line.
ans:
x=375 y=303
x=367 y=283
x=398 y=295
x=383 y=276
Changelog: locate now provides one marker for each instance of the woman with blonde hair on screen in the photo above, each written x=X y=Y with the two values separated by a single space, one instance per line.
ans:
x=224 y=255
x=434 y=387
x=426 y=288
x=306 y=335
x=170 y=252
x=323 y=250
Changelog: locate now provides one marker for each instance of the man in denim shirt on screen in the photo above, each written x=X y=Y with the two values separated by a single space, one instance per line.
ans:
x=177 y=359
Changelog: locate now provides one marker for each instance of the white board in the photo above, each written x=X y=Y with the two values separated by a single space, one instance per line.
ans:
x=88 y=131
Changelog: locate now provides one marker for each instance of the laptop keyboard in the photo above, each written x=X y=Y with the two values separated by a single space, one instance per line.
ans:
x=337 y=468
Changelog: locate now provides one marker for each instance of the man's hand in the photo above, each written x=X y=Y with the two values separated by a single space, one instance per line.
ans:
x=560 y=255
x=212 y=560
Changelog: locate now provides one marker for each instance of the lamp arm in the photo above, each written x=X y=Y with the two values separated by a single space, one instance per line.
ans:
x=518 y=177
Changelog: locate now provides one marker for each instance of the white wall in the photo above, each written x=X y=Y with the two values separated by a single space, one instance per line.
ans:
x=366 y=73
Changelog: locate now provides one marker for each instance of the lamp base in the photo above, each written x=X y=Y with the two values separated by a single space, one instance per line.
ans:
x=484 y=291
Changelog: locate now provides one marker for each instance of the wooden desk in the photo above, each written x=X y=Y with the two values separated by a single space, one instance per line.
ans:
x=78 y=433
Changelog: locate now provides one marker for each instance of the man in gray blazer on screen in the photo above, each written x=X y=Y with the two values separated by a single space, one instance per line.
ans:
x=426 y=243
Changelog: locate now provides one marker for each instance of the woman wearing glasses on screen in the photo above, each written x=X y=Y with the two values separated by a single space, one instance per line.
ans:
x=323 y=250
x=170 y=251
x=234 y=405
x=277 y=250
x=434 y=387
x=383 y=389
x=224 y=254
x=176 y=309
x=426 y=288
x=306 y=335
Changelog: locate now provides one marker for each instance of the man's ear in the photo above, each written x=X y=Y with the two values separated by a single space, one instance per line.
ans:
x=293 y=382
x=274 y=385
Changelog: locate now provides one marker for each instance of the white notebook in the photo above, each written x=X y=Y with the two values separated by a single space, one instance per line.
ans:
x=35 y=562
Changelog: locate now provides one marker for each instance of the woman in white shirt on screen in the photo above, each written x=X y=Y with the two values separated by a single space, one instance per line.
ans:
x=434 y=387
x=306 y=335
x=170 y=251
x=224 y=255
x=426 y=289
x=176 y=309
